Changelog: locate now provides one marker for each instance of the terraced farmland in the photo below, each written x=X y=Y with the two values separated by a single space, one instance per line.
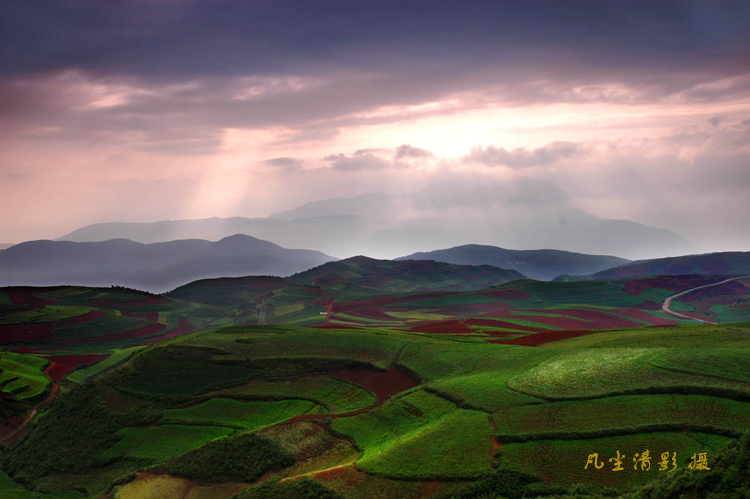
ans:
x=387 y=407
x=115 y=393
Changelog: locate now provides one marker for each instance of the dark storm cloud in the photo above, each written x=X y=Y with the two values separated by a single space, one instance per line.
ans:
x=522 y=157
x=193 y=38
x=197 y=67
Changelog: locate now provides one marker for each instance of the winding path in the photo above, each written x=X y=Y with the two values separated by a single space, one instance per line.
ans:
x=665 y=306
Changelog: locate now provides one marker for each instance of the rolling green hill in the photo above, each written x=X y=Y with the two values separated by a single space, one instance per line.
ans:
x=361 y=275
x=542 y=265
x=727 y=263
x=374 y=379
x=354 y=411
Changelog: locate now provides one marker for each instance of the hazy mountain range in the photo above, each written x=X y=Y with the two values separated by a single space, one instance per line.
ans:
x=156 y=267
x=520 y=214
x=159 y=267
x=725 y=263
x=543 y=265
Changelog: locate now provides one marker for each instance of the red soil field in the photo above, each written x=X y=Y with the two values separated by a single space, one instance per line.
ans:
x=124 y=335
x=671 y=283
x=372 y=313
x=599 y=320
x=498 y=306
x=382 y=384
x=183 y=327
x=732 y=288
x=381 y=301
x=462 y=311
x=331 y=473
x=22 y=296
x=449 y=327
x=649 y=305
x=30 y=333
x=575 y=319
x=64 y=364
x=502 y=324
x=537 y=339
x=80 y=319
x=646 y=317
x=149 y=316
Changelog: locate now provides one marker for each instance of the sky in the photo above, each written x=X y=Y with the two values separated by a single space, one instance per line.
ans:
x=145 y=110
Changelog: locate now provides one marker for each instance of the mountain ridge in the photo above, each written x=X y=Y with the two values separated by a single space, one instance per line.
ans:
x=522 y=213
x=156 y=267
x=542 y=264
x=716 y=263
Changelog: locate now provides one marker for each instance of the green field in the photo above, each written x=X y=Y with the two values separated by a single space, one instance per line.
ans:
x=238 y=414
x=420 y=405
x=22 y=376
x=164 y=442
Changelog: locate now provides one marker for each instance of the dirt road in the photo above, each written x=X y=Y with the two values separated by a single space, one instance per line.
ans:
x=665 y=306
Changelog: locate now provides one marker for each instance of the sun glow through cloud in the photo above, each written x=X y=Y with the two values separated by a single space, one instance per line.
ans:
x=251 y=122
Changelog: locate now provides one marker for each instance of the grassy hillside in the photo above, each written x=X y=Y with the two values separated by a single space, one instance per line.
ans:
x=359 y=390
x=362 y=275
x=359 y=411
x=727 y=263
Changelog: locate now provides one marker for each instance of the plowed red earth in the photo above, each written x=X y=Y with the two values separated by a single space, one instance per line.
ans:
x=537 y=339
x=382 y=301
x=646 y=317
x=80 y=319
x=149 y=316
x=501 y=324
x=124 y=335
x=21 y=296
x=372 y=313
x=670 y=283
x=64 y=364
x=184 y=327
x=732 y=288
x=31 y=333
x=574 y=319
x=382 y=384
x=586 y=319
x=450 y=327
